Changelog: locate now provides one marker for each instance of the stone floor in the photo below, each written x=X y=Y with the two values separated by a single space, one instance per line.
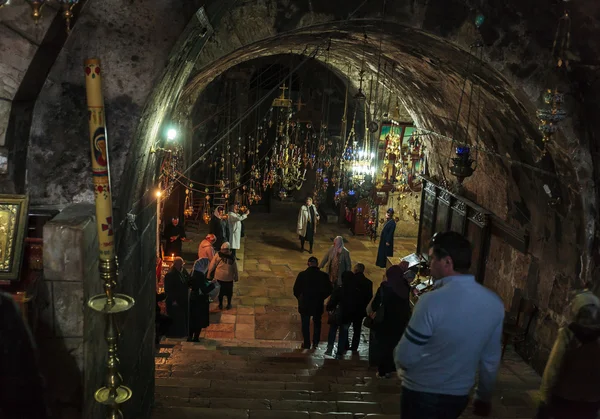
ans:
x=248 y=364
x=264 y=306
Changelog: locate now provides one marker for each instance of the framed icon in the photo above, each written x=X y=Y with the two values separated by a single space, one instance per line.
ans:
x=13 y=225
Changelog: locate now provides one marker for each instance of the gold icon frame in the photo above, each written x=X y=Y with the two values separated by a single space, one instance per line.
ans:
x=13 y=226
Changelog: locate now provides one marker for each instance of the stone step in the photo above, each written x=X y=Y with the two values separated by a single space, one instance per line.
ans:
x=181 y=412
x=268 y=368
x=316 y=376
x=353 y=406
x=183 y=387
x=183 y=393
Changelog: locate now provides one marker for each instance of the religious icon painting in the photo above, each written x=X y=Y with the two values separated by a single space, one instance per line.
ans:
x=13 y=225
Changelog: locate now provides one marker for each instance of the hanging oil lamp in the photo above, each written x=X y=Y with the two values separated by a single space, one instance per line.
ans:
x=462 y=164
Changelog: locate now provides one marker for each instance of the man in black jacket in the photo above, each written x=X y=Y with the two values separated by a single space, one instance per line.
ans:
x=366 y=287
x=311 y=289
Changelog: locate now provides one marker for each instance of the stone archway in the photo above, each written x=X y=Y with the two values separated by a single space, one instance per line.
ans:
x=241 y=31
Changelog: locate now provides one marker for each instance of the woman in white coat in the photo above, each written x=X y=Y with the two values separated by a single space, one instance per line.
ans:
x=235 y=228
x=307 y=224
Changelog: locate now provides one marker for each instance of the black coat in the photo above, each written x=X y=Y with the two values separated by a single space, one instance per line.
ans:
x=21 y=383
x=365 y=285
x=220 y=229
x=311 y=288
x=175 y=246
x=396 y=315
x=199 y=304
x=176 y=288
x=387 y=236
x=350 y=297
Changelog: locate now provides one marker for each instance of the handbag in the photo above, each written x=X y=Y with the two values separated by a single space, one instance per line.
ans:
x=375 y=319
x=335 y=316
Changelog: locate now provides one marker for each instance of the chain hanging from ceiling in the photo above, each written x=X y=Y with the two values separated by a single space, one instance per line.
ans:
x=462 y=164
x=551 y=113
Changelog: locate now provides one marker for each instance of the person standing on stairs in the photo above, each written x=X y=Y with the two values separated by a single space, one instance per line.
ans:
x=176 y=289
x=386 y=241
x=307 y=224
x=393 y=298
x=345 y=302
x=224 y=269
x=571 y=382
x=366 y=291
x=454 y=334
x=219 y=227
x=235 y=228
x=200 y=287
x=206 y=247
x=339 y=261
x=311 y=288
x=174 y=236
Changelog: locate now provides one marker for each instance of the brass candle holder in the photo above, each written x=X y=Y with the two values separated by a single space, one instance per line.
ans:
x=110 y=303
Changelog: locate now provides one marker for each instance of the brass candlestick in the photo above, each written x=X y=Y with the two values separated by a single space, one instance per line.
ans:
x=109 y=303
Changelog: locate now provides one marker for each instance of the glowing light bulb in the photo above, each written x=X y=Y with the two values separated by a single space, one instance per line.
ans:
x=171 y=134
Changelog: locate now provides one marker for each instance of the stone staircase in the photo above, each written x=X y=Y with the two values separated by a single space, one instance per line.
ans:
x=245 y=382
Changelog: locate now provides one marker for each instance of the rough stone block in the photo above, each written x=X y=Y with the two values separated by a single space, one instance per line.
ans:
x=5 y=106
x=68 y=243
x=68 y=308
x=16 y=53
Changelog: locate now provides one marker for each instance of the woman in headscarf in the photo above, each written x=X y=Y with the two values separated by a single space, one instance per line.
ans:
x=200 y=287
x=206 y=249
x=339 y=261
x=343 y=306
x=392 y=298
x=219 y=227
x=224 y=268
x=571 y=382
x=176 y=301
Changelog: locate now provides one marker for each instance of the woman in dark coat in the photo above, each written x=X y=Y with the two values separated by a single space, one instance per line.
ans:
x=393 y=295
x=200 y=287
x=386 y=242
x=349 y=299
x=176 y=289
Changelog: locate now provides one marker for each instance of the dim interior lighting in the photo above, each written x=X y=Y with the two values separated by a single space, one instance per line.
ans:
x=171 y=134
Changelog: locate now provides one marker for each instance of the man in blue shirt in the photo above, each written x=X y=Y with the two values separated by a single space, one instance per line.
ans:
x=455 y=330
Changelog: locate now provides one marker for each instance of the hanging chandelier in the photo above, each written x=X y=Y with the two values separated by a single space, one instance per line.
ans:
x=65 y=5
x=550 y=114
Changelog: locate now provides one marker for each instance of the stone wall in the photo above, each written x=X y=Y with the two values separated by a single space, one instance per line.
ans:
x=406 y=205
x=72 y=349
x=71 y=335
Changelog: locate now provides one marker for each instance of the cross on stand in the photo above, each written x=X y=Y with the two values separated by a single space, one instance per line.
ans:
x=108 y=226
x=299 y=104
x=283 y=89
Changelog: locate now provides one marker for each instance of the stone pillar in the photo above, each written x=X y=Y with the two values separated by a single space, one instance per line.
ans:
x=70 y=338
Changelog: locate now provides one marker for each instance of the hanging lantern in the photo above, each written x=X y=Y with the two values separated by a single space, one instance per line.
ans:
x=67 y=11
x=462 y=164
x=36 y=9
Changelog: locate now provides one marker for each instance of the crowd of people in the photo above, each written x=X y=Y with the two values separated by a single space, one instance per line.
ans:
x=450 y=342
